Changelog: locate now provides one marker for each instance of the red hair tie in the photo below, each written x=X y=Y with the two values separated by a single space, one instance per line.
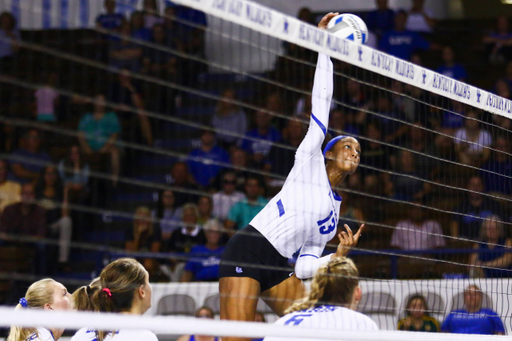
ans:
x=107 y=290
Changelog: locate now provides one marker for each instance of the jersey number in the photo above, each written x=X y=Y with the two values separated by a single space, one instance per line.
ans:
x=297 y=319
x=327 y=225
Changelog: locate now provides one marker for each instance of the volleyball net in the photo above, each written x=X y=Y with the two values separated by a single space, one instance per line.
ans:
x=132 y=133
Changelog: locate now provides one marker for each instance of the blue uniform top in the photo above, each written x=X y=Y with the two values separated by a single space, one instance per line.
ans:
x=456 y=71
x=402 y=44
x=485 y=322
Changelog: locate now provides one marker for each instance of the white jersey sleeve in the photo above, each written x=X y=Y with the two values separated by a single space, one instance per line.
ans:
x=320 y=103
x=325 y=317
x=309 y=259
x=304 y=214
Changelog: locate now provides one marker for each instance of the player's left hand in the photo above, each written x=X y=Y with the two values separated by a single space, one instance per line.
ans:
x=348 y=240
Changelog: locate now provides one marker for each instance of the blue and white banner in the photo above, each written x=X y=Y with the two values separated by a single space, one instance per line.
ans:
x=275 y=24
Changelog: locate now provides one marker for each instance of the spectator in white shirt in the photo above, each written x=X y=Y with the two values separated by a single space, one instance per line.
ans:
x=472 y=143
x=227 y=197
x=417 y=232
x=420 y=19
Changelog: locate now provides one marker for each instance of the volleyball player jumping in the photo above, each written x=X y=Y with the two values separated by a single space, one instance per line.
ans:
x=302 y=216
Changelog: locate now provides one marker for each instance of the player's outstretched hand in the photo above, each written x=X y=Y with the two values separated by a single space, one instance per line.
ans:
x=325 y=20
x=348 y=240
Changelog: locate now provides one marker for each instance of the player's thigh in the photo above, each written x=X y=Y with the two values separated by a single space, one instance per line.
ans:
x=238 y=298
x=282 y=295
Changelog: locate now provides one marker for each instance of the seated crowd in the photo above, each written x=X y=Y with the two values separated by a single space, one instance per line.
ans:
x=242 y=156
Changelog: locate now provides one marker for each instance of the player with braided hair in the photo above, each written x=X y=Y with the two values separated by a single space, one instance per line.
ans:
x=332 y=301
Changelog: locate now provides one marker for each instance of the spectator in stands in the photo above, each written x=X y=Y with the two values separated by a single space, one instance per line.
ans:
x=382 y=19
x=10 y=191
x=508 y=75
x=280 y=160
x=127 y=93
x=111 y=20
x=400 y=41
x=125 y=54
x=407 y=186
x=450 y=68
x=74 y=172
x=47 y=99
x=492 y=237
x=9 y=37
x=499 y=43
x=419 y=141
x=152 y=15
x=25 y=218
x=182 y=179
x=349 y=214
x=470 y=212
x=259 y=140
x=339 y=122
x=473 y=319
x=420 y=19
x=205 y=207
x=98 y=133
x=189 y=235
x=244 y=211
x=205 y=259
x=167 y=214
x=139 y=31
x=471 y=142
x=226 y=197
x=174 y=30
x=375 y=155
x=230 y=118
x=417 y=232
x=28 y=161
x=492 y=172
x=145 y=237
x=418 y=319
x=159 y=61
x=394 y=131
x=354 y=96
x=205 y=162
x=452 y=120
x=204 y=313
x=193 y=41
x=53 y=197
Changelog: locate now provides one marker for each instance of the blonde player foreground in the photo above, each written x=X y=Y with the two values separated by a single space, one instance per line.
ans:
x=46 y=295
x=331 y=304
x=123 y=287
x=302 y=216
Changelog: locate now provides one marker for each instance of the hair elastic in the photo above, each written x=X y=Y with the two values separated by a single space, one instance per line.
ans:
x=107 y=290
x=333 y=142
x=23 y=302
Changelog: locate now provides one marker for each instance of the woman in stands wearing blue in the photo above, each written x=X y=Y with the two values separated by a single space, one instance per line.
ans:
x=303 y=217
x=123 y=287
x=46 y=295
x=202 y=313
x=331 y=304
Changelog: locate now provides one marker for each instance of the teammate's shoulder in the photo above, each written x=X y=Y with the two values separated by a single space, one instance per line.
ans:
x=84 y=334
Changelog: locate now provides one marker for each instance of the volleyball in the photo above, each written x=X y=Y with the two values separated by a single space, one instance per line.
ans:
x=348 y=26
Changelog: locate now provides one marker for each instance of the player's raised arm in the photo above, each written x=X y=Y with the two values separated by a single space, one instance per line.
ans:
x=320 y=100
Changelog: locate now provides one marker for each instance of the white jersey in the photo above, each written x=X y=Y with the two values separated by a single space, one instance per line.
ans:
x=42 y=334
x=88 y=334
x=325 y=317
x=304 y=214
